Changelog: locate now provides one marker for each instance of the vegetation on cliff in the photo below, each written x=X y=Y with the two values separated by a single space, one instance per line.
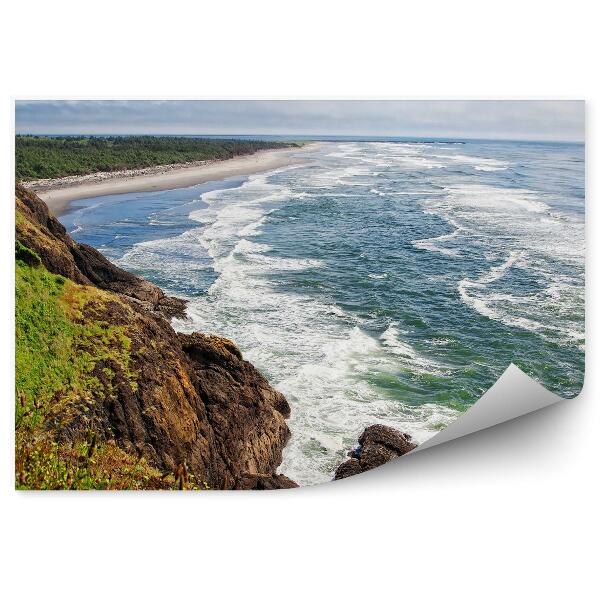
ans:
x=44 y=157
x=109 y=396
x=67 y=359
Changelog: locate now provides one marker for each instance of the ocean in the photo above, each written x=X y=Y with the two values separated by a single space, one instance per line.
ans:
x=381 y=282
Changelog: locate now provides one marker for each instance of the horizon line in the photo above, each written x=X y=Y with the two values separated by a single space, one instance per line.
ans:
x=315 y=135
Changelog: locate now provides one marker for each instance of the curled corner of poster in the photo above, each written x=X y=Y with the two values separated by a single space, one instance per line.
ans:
x=514 y=394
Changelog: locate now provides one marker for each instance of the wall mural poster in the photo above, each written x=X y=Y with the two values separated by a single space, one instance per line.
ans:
x=271 y=294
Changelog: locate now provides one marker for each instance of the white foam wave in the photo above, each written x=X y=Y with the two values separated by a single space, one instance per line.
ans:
x=477 y=162
x=433 y=244
x=494 y=199
x=483 y=304
x=538 y=240
x=245 y=246
x=408 y=357
x=560 y=296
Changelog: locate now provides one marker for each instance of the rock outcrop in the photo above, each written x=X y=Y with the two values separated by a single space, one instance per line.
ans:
x=247 y=416
x=38 y=230
x=378 y=444
x=179 y=401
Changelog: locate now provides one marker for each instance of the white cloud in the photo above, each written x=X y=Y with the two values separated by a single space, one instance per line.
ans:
x=511 y=119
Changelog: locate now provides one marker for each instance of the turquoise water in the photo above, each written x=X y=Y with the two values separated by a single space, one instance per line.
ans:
x=381 y=282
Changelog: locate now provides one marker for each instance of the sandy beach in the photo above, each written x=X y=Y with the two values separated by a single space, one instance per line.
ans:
x=59 y=193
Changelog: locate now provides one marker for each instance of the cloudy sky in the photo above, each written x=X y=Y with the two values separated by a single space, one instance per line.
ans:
x=529 y=120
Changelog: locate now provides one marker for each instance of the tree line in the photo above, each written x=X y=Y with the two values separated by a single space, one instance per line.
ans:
x=44 y=157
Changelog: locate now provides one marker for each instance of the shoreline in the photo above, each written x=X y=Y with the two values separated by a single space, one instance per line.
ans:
x=59 y=193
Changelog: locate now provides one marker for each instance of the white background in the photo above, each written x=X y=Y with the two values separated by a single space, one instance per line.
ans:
x=511 y=512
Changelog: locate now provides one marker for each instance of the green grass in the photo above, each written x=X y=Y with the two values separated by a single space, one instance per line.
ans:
x=57 y=352
x=38 y=157
x=44 y=361
x=66 y=357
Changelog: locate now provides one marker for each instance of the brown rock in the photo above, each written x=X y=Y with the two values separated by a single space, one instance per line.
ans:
x=264 y=482
x=378 y=444
x=37 y=229
x=177 y=399
x=246 y=414
x=351 y=467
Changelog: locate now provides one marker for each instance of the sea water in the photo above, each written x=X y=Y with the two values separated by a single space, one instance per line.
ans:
x=379 y=282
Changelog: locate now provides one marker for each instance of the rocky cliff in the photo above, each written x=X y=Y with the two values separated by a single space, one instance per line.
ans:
x=110 y=396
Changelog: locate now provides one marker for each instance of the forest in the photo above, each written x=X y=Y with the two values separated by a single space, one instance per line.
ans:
x=45 y=157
